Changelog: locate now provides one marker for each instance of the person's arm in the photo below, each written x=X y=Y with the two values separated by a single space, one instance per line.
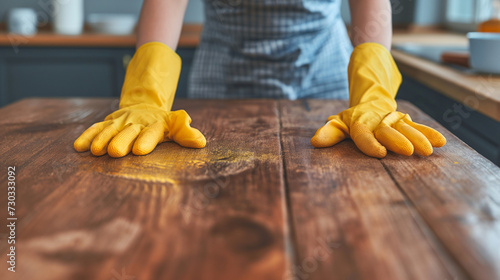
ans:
x=371 y=120
x=371 y=21
x=161 y=21
x=144 y=118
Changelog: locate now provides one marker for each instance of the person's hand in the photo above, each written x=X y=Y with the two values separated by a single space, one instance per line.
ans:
x=372 y=121
x=139 y=128
x=144 y=118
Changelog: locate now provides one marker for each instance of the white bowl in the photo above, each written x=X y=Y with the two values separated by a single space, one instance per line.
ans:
x=116 y=24
x=484 y=51
x=22 y=21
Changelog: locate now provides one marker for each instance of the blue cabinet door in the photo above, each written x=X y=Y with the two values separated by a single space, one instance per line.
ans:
x=70 y=72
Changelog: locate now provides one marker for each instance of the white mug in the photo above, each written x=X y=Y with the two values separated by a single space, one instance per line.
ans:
x=67 y=16
x=22 y=21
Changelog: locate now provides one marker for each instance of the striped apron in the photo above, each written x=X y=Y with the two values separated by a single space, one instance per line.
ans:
x=271 y=49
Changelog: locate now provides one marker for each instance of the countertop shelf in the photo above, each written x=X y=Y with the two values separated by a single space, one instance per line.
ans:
x=190 y=37
x=258 y=199
x=481 y=92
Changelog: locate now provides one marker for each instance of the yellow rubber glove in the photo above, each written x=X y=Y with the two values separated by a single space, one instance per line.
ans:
x=144 y=118
x=372 y=121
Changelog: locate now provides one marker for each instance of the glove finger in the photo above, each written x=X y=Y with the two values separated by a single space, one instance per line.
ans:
x=82 y=143
x=366 y=141
x=435 y=138
x=191 y=138
x=181 y=131
x=394 y=140
x=330 y=134
x=100 y=144
x=122 y=143
x=420 y=143
x=148 y=139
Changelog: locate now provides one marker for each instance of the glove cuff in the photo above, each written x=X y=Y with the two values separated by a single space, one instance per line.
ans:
x=373 y=74
x=152 y=76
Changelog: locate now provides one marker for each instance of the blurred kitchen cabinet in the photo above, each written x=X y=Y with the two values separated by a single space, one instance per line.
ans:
x=70 y=72
x=477 y=130
x=187 y=55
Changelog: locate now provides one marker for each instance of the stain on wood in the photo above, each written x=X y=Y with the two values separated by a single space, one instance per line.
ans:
x=259 y=202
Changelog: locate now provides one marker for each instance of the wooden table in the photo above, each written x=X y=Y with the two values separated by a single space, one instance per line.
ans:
x=259 y=202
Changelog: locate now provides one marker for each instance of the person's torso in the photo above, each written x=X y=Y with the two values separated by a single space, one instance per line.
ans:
x=271 y=48
x=268 y=19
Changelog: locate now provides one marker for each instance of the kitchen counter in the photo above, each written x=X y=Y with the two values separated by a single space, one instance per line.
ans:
x=190 y=37
x=481 y=92
x=259 y=202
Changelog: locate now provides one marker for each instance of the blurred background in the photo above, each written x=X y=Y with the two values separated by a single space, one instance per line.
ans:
x=98 y=77
x=81 y=48
x=461 y=14
x=458 y=13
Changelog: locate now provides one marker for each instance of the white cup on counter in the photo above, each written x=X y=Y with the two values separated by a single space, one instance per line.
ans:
x=67 y=16
x=22 y=21
x=484 y=51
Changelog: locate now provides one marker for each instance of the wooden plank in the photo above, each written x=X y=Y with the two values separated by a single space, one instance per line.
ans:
x=177 y=213
x=56 y=111
x=457 y=192
x=350 y=219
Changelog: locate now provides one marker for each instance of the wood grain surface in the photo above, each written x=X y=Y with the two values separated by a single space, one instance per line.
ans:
x=213 y=213
x=340 y=197
x=259 y=202
x=415 y=217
